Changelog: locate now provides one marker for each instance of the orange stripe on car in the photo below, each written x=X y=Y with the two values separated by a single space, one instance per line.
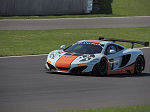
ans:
x=122 y=70
x=93 y=41
x=65 y=61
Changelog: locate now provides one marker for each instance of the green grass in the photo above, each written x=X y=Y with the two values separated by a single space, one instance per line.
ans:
x=24 y=42
x=120 y=8
x=143 y=108
x=57 y=17
x=131 y=7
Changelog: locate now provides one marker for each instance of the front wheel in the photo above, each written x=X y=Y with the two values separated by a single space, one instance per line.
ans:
x=139 y=65
x=100 y=69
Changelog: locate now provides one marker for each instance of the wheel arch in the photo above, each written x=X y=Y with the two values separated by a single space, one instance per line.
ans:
x=103 y=57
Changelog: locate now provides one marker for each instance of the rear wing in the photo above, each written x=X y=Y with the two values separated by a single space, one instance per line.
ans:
x=129 y=41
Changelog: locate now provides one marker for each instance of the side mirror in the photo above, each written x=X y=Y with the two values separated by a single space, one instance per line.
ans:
x=112 y=51
x=62 y=46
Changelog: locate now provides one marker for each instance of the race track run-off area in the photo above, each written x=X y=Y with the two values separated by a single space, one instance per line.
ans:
x=25 y=86
x=69 y=23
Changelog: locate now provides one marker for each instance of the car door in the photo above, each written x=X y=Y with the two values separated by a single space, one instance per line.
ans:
x=115 y=57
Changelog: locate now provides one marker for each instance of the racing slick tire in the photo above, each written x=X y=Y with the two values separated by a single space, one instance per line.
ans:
x=139 y=65
x=101 y=68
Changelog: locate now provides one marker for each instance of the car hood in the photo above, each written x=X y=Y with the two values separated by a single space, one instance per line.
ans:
x=64 y=59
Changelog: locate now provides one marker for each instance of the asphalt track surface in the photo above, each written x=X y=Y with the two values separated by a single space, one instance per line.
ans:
x=101 y=22
x=25 y=86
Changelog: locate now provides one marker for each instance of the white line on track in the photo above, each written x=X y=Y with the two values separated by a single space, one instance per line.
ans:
x=47 y=54
x=23 y=56
x=144 y=48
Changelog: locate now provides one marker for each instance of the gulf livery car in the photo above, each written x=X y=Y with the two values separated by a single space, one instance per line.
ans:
x=99 y=57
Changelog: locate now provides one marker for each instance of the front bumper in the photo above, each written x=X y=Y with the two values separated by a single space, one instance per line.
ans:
x=78 y=69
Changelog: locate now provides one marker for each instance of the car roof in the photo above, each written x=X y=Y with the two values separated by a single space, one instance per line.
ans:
x=103 y=43
x=95 y=41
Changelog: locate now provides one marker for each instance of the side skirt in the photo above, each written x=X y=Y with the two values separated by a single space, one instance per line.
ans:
x=127 y=70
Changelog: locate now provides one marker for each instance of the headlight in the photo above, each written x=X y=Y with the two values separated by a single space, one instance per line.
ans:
x=87 y=57
x=52 y=56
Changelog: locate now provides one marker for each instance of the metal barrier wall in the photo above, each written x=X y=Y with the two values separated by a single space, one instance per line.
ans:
x=42 y=7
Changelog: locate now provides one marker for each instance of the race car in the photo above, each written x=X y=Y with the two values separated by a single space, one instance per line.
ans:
x=99 y=57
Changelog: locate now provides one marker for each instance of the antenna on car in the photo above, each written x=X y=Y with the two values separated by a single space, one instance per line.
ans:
x=129 y=41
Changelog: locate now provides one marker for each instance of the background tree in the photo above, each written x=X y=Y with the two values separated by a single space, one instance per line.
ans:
x=102 y=6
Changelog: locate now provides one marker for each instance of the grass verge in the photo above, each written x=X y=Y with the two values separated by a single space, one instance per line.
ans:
x=143 y=108
x=57 y=17
x=131 y=7
x=25 y=42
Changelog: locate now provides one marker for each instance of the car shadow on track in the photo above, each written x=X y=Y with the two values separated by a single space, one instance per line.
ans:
x=130 y=75
x=113 y=75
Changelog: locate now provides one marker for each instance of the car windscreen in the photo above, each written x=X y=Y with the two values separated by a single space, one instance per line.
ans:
x=84 y=48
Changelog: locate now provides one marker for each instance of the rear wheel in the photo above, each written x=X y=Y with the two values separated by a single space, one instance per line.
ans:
x=139 y=65
x=100 y=69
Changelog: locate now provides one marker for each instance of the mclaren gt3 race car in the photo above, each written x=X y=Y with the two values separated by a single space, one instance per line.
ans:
x=99 y=57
